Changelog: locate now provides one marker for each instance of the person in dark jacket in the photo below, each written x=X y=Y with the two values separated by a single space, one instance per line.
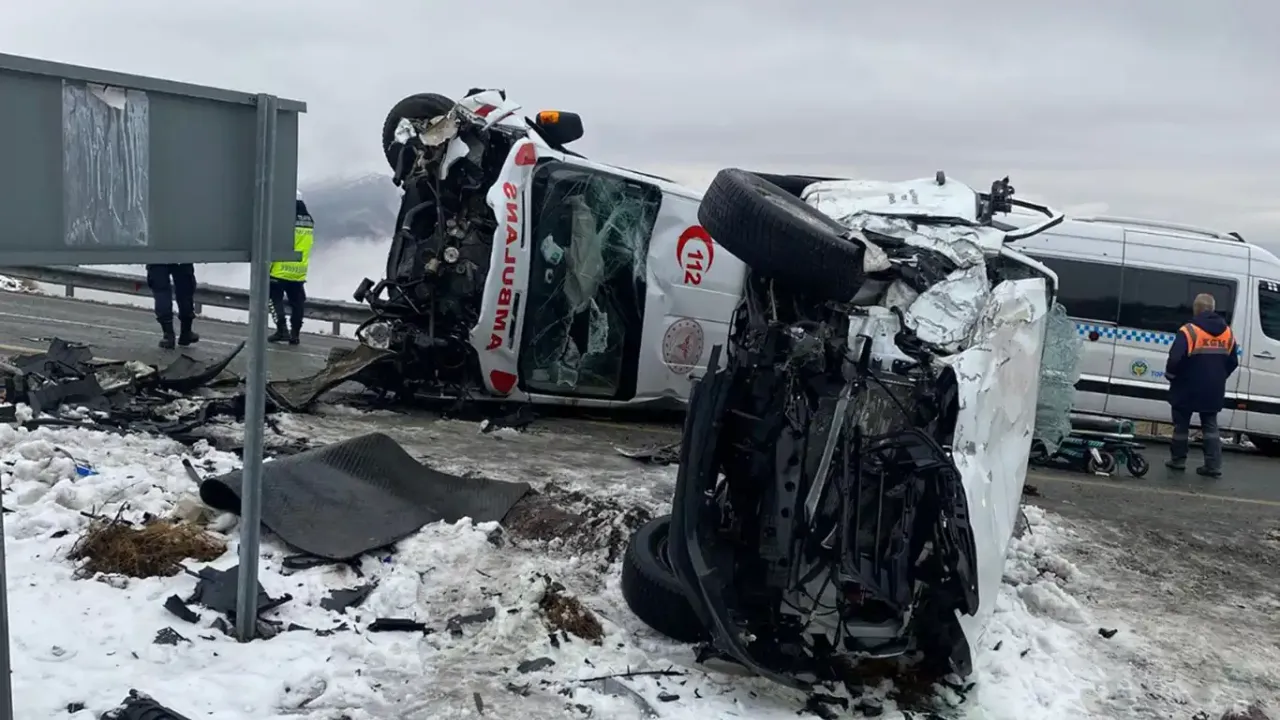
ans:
x=1203 y=356
x=181 y=291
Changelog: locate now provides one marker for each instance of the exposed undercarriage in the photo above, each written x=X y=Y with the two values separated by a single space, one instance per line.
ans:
x=827 y=499
x=822 y=510
x=425 y=308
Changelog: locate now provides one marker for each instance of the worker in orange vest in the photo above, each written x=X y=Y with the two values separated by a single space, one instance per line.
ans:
x=1203 y=356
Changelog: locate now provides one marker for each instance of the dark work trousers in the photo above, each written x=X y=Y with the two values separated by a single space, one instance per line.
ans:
x=181 y=291
x=1182 y=438
x=297 y=299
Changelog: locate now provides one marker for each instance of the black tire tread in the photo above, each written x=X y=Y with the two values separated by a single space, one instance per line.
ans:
x=809 y=257
x=422 y=105
x=651 y=589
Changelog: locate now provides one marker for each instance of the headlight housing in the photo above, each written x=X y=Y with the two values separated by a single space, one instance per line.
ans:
x=376 y=335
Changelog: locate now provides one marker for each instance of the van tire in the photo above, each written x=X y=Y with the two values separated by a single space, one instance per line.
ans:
x=1267 y=447
x=422 y=106
x=781 y=237
x=651 y=588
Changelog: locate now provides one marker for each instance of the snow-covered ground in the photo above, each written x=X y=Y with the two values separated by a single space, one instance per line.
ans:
x=79 y=645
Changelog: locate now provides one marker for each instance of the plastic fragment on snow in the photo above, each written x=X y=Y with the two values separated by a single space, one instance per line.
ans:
x=169 y=636
x=535 y=665
x=397 y=625
x=216 y=590
x=340 y=600
x=140 y=706
x=179 y=609
x=455 y=623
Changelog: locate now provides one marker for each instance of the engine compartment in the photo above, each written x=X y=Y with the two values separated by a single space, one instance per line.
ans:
x=446 y=158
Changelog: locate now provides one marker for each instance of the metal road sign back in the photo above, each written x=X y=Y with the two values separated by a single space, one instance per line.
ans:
x=99 y=167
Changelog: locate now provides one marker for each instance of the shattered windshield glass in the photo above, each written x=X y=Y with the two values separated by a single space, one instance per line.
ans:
x=590 y=232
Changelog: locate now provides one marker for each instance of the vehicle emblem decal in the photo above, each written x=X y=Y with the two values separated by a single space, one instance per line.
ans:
x=695 y=257
x=682 y=345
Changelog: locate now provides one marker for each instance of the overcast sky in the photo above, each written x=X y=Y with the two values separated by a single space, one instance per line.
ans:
x=1158 y=108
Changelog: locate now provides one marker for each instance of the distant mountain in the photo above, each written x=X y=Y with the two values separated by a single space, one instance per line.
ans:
x=363 y=207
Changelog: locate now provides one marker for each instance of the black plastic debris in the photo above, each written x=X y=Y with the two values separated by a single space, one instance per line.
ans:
x=186 y=373
x=1107 y=633
x=140 y=706
x=262 y=629
x=169 y=636
x=339 y=600
x=520 y=419
x=535 y=665
x=84 y=392
x=61 y=361
x=397 y=625
x=216 y=590
x=663 y=454
x=179 y=609
x=455 y=623
x=667 y=697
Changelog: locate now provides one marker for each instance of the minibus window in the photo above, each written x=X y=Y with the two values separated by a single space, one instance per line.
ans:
x=1161 y=300
x=1269 y=308
x=1088 y=290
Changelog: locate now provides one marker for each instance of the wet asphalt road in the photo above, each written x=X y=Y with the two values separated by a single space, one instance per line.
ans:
x=117 y=332
x=1192 y=562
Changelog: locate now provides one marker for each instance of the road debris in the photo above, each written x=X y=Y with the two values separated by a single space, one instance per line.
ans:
x=140 y=705
x=66 y=386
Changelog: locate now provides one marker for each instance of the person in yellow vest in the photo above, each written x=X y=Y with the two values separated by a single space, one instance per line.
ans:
x=288 y=280
x=1203 y=356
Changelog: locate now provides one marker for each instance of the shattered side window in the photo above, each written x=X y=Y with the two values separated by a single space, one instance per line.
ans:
x=590 y=233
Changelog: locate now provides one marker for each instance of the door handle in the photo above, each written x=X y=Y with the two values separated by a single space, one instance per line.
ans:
x=1265 y=355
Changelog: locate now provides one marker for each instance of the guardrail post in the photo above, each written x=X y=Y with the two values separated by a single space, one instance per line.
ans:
x=197 y=308
x=337 y=328
x=69 y=290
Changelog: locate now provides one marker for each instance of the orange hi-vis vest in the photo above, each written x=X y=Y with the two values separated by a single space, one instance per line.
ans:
x=1200 y=342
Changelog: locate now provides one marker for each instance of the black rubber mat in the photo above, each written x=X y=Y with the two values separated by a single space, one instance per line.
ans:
x=298 y=394
x=344 y=499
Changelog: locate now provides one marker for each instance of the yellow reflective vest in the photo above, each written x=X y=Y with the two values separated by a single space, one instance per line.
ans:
x=303 y=236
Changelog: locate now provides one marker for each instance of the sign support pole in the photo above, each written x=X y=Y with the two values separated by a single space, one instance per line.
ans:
x=6 y=669
x=256 y=380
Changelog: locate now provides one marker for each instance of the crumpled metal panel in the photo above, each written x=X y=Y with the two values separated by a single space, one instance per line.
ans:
x=856 y=204
x=998 y=381
x=944 y=315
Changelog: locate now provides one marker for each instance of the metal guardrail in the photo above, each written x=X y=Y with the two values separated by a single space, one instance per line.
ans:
x=334 y=311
